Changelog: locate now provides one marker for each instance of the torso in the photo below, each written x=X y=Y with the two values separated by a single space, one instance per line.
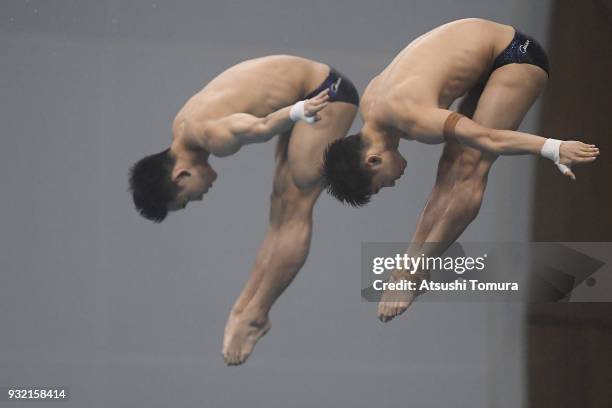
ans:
x=258 y=87
x=436 y=68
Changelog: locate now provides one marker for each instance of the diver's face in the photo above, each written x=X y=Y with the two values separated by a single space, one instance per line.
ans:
x=386 y=168
x=192 y=184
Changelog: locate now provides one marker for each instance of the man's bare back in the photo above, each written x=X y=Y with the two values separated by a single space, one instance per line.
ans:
x=257 y=86
x=438 y=67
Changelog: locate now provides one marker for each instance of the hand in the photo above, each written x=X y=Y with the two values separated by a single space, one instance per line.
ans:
x=573 y=152
x=314 y=105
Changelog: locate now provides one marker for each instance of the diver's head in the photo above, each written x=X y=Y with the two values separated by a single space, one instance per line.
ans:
x=354 y=169
x=168 y=180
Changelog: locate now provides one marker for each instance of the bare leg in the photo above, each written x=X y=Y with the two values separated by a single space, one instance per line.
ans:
x=462 y=172
x=297 y=185
x=281 y=255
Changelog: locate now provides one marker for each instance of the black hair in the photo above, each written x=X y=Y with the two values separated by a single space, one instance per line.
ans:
x=151 y=185
x=344 y=176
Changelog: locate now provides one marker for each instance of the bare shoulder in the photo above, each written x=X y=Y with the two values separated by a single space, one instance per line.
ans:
x=216 y=138
x=209 y=135
x=401 y=107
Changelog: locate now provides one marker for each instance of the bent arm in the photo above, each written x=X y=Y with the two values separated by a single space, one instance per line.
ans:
x=243 y=128
x=247 y=128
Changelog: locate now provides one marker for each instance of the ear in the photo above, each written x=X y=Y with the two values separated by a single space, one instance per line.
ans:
x=372 y=161
x=179 y=174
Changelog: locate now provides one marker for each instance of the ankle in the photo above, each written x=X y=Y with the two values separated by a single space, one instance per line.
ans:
x=251 y=315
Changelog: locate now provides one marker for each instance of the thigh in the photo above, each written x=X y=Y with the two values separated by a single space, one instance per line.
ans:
x=501 y=103
x=458 y=160
x=508 y=94
x=307 y=143
x=299 y=154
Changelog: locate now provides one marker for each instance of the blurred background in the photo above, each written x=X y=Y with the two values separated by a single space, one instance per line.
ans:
x=569 y=346
x=127 y=313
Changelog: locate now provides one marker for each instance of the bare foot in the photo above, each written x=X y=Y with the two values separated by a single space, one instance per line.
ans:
x=395 y=302
x=241 y=334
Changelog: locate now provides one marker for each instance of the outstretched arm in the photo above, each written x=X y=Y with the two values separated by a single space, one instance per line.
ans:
x=439 y=125
x=460 y=184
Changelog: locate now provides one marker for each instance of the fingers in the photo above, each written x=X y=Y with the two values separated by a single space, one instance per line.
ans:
x=575 y=152
x=588 y=150
x=316 y=104
x=583 y=153
x=313 y=108
x=584 y=159
x=320 y=106
x=323 y=95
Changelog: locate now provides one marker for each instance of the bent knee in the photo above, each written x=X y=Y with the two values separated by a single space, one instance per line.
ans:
x=291 y=205
x=474 y=165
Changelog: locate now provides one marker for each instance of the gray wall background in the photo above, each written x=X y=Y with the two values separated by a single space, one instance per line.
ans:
x=127 y=313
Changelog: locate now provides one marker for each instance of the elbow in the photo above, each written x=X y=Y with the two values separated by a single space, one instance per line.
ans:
x=261 y=127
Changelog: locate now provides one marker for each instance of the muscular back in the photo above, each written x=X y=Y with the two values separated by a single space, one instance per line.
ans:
x=258 y=87
x=438 y=67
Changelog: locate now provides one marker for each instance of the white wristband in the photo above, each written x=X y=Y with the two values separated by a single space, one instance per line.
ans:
x=550 y=150
x=297 y=113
